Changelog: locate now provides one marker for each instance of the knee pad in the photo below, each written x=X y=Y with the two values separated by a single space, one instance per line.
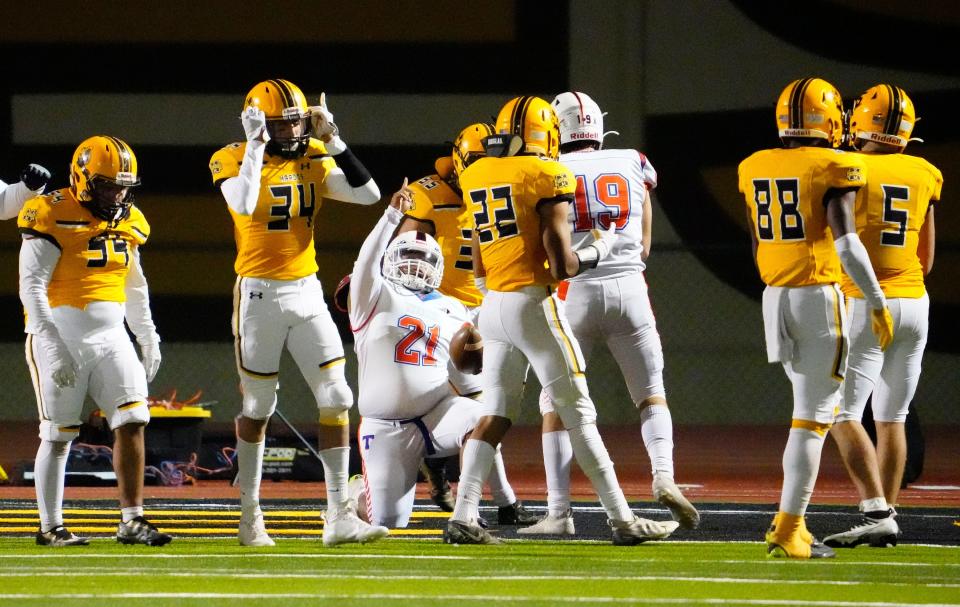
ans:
x=259 y=397
x=131 y=410
x=571 y=401
x=332 y=392
x=58 y=433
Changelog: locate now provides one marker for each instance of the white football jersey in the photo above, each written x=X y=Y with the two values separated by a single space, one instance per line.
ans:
x=611 y=187
x=402 y=338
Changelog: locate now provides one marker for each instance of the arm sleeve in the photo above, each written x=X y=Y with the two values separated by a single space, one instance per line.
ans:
x=137 y=307
x=338 y=185
x=856 y=263
x=12 y=198
x=241 y=192
x=366 y=280
x=38 y=258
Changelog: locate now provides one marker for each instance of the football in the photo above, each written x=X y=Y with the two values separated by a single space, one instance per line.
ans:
x=466 y=350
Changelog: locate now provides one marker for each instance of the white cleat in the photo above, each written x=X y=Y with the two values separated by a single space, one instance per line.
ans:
x=551 y=525
x=639 y=530
x=668 y=494
x=879 y=533
x=345 y=527
x=252 y=531
x=357 y=493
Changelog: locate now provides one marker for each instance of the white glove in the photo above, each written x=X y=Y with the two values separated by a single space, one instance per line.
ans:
x=322 y=125
x=63 y=368
x=593 y=253
x=255 y=124
x=151 y=358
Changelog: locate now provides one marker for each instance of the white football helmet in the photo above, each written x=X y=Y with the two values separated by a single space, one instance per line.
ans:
x=580 y=118
x=414 y=260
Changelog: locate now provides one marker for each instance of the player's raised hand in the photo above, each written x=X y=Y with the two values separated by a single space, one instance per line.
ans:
x=402 y=199
x=322 y=125
x=35 y=177
x=254 y=124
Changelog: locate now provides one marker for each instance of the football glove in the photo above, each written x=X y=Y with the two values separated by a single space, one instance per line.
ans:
x=882 y=324
x=593 y=253
x=63 y=370
x=254 y=124
x=35 y=177
x=322 y=125
x=402 y=199
x=151 y=358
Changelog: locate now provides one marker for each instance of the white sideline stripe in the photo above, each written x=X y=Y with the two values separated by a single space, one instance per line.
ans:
x=233 y=573
x=467 y=597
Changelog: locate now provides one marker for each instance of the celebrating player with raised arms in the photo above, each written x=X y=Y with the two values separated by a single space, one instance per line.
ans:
x=33 y=180
x=80 y=280
x=894 y=216
x=274 y=183
x=800 y=201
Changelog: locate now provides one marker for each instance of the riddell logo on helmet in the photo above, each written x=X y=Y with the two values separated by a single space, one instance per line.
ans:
x=884 y=138
x=592 y=136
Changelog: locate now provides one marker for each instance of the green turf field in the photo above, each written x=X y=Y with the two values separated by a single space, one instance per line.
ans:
x=206 y=572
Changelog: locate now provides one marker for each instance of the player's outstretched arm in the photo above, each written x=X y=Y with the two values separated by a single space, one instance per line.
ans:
x=33 y=181
x=351 y=182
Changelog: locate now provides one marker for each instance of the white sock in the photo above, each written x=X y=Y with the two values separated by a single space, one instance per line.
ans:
x=477 y=459
x=128 y=514
x=249 y=471
x=500 y=488
x=801 y=463
x=336 y=469
x=874 y=504
x=593 y=459
x=49 y=471
x=557 y=455
x=656 y=427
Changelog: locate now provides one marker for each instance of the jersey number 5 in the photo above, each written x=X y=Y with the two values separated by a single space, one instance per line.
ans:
x=891 y=214
x=406 y=351
x=788 y=199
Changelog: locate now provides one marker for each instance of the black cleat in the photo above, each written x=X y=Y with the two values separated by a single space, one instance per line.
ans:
x=515 y=514
x=465 y=533
x=59 y=537
x=141 y=531
x=434 y=470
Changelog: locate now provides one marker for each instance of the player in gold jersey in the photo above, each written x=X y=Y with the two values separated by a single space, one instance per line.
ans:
x=518 y=196
x=273 y=184
x=80 y=279
x=894 y=217
x=800 y=208
x=438 y=209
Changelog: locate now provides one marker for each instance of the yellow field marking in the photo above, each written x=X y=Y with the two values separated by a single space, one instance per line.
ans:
x=220 y=530
x=298 y=514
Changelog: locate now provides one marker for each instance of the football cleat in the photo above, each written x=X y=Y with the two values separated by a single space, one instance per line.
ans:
x=60 y=536
x=252 y=531
x=668 y=494
x=343 y=526
x=515 y=514
x=434 y=471
x=357 y=492
x=458 y=532
x=639 y=530
x=877 y=532
x=141 y=531
x=551 y=525
x=788 y=537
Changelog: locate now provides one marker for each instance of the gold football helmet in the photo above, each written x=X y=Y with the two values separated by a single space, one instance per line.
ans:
x=285 y=108
x=102 y=171
x=468 y=145
x=811 y=108
x=884 y=114
x=533 y=120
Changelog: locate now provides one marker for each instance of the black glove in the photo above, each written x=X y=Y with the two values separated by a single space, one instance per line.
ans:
x=34 y=176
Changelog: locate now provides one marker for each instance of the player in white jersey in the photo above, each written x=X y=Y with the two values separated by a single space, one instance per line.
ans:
x=403 y=326
x=610 y=304
x=33 y=180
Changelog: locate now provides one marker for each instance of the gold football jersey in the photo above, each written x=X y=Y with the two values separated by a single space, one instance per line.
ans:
x=502 y=196
x=784 y=190
x=94 y=257
x=276 y=240
x=434 y=201
x=891 y=209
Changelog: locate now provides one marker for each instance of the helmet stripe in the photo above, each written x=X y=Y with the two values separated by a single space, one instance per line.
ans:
x=520 y=114
x=122 y=153
x=796 y=102
x=894 y=112
x=580 y=103
x=284 y=92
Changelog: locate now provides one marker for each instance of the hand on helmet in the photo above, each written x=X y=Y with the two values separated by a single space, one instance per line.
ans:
x=255 y=124
x=402 y=199
x=35 y=177
x=322 y=125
